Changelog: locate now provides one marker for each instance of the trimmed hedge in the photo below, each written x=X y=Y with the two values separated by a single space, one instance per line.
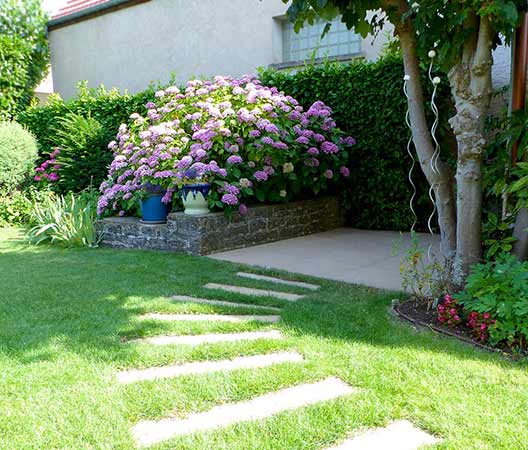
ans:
x=368 y=103
x=109 y=107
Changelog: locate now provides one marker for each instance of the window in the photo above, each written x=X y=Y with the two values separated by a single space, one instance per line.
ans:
x=301 y=46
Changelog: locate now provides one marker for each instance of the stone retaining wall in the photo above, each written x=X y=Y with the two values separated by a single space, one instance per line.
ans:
x=210 y=233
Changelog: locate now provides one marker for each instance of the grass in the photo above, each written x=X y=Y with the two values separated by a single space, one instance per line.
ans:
x=64 y=315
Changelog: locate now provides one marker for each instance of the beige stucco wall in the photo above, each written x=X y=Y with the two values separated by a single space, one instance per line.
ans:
x=131 y=47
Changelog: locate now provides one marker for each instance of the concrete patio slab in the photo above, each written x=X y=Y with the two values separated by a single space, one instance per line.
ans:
x=345 y=254
x=255 y=292
x=256 y=276
x=213 y=302
x=400 y=435
x=211 y=338
x=200 y=367
x=149 y=432
x=210 y=318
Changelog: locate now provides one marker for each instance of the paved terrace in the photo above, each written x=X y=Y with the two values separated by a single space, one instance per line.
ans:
x=345 y=254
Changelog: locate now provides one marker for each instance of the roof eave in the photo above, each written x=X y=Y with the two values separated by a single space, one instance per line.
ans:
x=91 y=12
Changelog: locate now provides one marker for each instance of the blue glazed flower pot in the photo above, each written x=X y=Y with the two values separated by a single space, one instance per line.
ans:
x=153 y=210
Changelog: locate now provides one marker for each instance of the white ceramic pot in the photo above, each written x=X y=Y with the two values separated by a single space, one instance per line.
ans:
x=194 y=198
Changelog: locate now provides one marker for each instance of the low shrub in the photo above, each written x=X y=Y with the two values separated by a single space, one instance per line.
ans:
x=68 y=220
x=252 y=143
x=15 y=208
x=83 y=158
x=497 y=292
x=18 y=153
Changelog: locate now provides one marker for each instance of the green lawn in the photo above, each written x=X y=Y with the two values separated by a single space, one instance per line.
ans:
x=64 y=315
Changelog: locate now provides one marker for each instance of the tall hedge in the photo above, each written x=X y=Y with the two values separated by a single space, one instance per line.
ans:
x=109 y=107
x=368 y=103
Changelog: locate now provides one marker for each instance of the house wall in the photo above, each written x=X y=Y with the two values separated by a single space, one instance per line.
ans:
x=147 y=42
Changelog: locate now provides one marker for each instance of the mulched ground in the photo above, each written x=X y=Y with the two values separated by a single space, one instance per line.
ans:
x=418 y=313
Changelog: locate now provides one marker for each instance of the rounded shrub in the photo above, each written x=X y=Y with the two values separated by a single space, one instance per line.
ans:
x=252 y=143
x=18 y=153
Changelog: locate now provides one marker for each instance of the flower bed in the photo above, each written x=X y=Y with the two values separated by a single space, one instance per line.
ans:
x=251 y=142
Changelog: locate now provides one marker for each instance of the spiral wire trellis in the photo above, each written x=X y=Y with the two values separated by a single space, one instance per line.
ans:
x=409 y=151
x=434 y=160
x=436 y=154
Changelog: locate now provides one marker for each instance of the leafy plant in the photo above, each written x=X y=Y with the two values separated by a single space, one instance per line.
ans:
x=425 y=278
x=15 y=208
x=18 y=152
x=64 y=220
x=83 y=157
x=497 y=236
x=500 y=290
x=24 y=53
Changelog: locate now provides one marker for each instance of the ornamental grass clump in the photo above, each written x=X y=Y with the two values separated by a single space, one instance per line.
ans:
x=251 y=142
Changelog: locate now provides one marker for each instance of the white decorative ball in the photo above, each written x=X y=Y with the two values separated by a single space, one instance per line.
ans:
x=436 y=80
x=432 y=53
x=407 y=77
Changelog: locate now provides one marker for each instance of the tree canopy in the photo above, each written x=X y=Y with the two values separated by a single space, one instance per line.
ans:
x=24 y=53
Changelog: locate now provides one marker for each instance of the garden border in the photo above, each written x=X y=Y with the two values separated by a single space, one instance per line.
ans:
x=395 y=308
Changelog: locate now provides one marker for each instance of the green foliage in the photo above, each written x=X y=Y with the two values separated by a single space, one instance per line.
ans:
x=24 y=53
x=500 y=288
x=368 y=103
x=445 y=26
x=426 y=279
x=84 y=156
x=68 y=220
x=18 y=152
x=15 y=208
x=109 y=107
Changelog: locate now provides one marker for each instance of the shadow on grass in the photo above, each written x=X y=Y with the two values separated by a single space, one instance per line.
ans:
x=85 y=301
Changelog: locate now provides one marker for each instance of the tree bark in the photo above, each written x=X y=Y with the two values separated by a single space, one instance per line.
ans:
x=441 y=179
x=471 y=87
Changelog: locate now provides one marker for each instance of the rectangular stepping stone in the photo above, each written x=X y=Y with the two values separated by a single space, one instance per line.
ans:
x=255 y=276
x=210 y=318
x=400 y=435
x=256 y=292
x=206 y=301
x=149 y=432
x=242 y=362
x=212 y=338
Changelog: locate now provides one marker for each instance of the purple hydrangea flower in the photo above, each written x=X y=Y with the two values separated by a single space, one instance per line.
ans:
x=229 y=199
x=260 y=175
x=234 y=159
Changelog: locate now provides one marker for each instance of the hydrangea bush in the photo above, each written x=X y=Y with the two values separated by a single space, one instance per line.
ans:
x=251 y=142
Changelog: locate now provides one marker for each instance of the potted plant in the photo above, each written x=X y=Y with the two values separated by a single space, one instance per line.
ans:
x=153 y=209
x=194 y=189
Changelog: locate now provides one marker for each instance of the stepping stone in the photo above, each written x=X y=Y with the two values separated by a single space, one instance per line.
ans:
x=400 y=435
x=300 y=284
x=206 y=301
x=149 y=432
x=256 y=292
x=209 y=318
x=242 y=362
x=212 y=338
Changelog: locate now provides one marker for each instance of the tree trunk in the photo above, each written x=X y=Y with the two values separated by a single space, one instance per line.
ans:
x=520 y=246
x=472 y=96
x=441 y=180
